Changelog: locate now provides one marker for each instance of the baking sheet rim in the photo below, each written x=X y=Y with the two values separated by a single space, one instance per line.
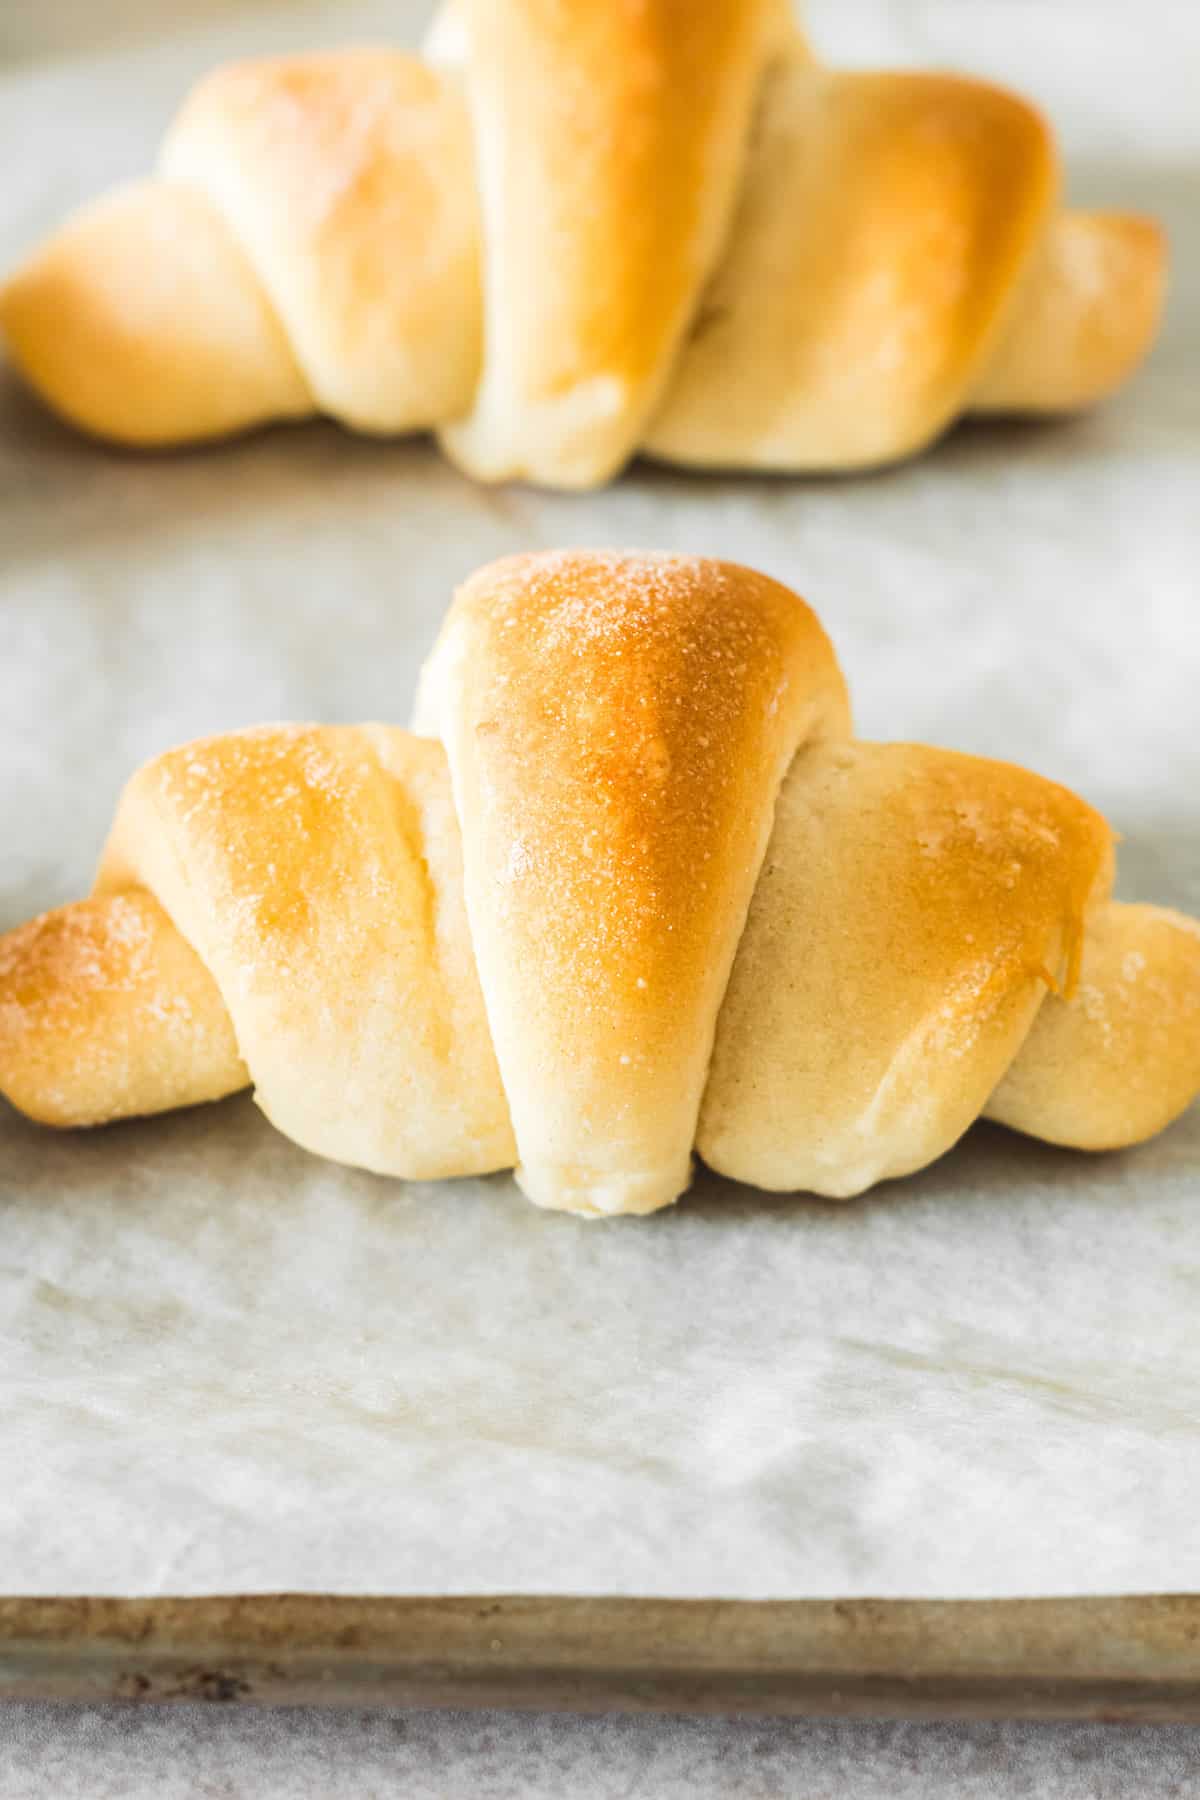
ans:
x=1115 y=1658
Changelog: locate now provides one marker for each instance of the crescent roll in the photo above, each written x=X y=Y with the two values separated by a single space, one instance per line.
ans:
x=630 y=890
x=571 y=231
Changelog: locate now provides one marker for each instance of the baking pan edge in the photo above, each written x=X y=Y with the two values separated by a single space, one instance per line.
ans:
x=1134 y=1657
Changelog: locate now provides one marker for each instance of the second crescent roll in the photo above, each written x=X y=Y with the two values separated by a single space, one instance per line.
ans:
x=571 y=231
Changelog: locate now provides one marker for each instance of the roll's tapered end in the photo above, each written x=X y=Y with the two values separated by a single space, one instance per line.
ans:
x=141 y=322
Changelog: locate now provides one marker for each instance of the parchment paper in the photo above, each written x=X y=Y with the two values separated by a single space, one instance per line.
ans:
x=225 y=1365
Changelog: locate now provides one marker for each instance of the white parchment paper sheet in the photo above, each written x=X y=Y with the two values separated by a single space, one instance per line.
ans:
x=225 y=1365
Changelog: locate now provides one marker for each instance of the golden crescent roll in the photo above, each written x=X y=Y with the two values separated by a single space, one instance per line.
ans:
x=574 y=230
x=633 y=890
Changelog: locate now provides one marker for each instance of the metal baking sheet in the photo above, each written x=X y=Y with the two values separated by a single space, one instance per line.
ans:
x=1107 y=1659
